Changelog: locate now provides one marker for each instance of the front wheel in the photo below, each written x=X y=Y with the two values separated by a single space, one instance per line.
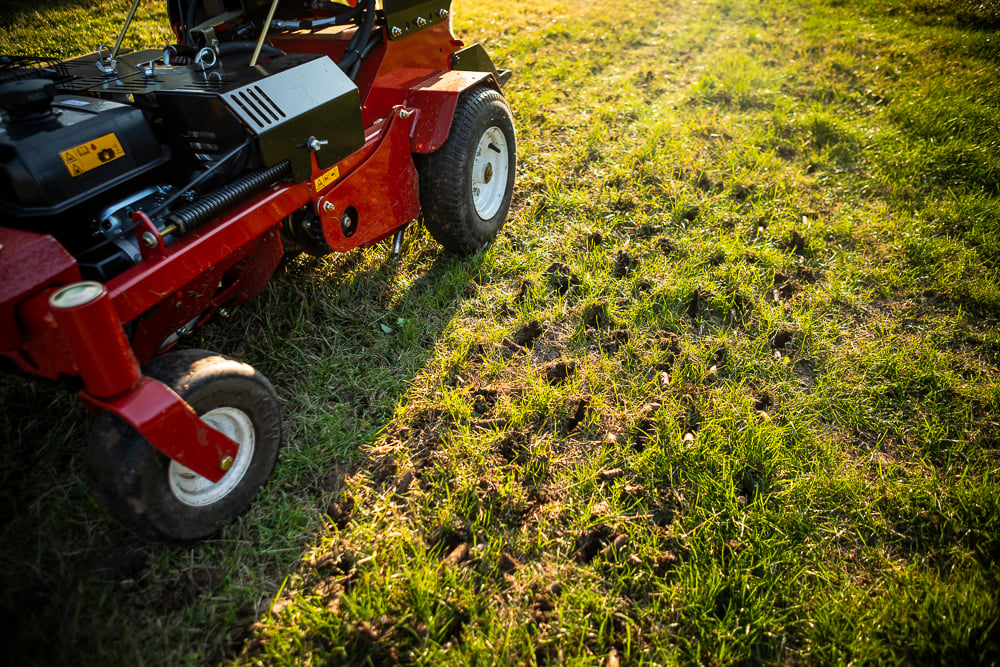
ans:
x=162 y=500
x=466 y=185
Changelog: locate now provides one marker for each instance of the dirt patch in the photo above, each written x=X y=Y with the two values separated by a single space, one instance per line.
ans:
x=616 y=339
x=577 y=413
x=340 y=511
x=625 y=263
x=596 y=316
x=699 y=302
x=590 y=542
x=528 y=334
x=666 y=246
x=522 y=291
x=558 y=372
x=561 y=278
x=785 y=287
x=796 y=243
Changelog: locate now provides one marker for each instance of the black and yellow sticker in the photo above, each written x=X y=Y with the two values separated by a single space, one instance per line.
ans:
x=91 y=155
x=326 y=179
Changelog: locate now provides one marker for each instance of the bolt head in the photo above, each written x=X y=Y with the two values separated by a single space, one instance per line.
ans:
x=328 y=207
x=226 y=463
x=149 y=239
x=421 y=21
x=396 y=31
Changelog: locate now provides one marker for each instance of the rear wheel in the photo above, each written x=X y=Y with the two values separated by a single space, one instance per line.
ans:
x=466 y=185
x=162 y=500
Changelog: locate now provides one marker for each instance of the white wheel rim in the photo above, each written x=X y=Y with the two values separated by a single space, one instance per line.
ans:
x=489 y=173
x=191 y=488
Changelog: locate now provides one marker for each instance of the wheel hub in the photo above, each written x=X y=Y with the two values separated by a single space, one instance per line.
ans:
x=191 y=488
x=490 y=170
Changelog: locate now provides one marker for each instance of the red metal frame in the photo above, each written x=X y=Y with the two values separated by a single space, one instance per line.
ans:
x=409 y=95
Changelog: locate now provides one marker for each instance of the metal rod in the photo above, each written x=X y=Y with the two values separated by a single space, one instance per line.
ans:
x=263 y=34
x=128 y=22
x=397 y=245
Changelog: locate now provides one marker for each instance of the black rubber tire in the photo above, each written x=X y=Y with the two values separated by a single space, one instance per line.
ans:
x=445 y=175
x=131 y=478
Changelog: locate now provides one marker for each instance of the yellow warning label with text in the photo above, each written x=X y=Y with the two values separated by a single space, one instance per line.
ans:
x=326 y=179
x=91 y=155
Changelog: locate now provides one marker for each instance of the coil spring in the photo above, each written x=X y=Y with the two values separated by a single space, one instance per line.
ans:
x=227 y=196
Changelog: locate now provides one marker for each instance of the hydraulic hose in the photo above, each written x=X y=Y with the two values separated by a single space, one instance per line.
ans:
x=359 y=40
x=213 y=203
x=230 y=48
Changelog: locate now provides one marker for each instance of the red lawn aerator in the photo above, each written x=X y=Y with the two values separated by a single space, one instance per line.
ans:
x=144 y=191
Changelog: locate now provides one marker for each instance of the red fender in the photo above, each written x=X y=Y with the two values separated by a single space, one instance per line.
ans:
x=434 y=101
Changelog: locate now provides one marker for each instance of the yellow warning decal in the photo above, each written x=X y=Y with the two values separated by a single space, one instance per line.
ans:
x=326 y=179
x=91 y=155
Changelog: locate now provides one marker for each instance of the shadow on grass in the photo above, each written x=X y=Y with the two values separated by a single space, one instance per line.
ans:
x=77 y=588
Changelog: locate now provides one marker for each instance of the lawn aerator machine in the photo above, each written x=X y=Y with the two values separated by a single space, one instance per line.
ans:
x=143 y=192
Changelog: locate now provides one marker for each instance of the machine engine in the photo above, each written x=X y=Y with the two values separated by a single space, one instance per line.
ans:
x=181 y=135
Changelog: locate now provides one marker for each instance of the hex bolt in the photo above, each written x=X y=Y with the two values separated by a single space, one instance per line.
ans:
x=149 y=239
x=226 y=463
x=443 y=13
x=397 y=31
x=328 y=207
x=421 y=21
x=405 y=113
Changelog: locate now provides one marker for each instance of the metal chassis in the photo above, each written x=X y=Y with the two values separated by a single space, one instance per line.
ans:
x=409 y=92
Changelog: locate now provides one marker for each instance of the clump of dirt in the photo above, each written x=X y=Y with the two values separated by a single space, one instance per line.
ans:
x=340 y=511
x=764 y=401
x=699 y=301
x=589 y=543
x=616 y=339
x=610 y=474
x=809 y=275
x=577 y=413
x=691 y=214
x=559 y=371
x=561 y=278
x=507 y=563
x=384 y=470
x=522 y=291
x=545 y=599
x=596 y=316
x=666 y=246
x=403 y=485
x=484 y=400
x=528 y=334
x=781 y=338
x=742 y=191
x=666 y=562
x=447 y=537
x=785 y=287
x=457 y=555
x=514 y=448
x=625 y=263
x=717 y=258
x=595 y=239
x=645 y=425
x=704 y=182
x=796 y=243
x=669 y=342
x=648 y=231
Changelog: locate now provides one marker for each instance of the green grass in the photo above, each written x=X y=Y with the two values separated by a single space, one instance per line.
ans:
x=762 y=241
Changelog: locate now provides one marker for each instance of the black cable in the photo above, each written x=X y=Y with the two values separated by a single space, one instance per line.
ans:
x=199 y=178
x=189 y=18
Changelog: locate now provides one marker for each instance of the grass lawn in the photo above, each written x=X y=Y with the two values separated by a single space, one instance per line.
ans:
x=725 y=390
